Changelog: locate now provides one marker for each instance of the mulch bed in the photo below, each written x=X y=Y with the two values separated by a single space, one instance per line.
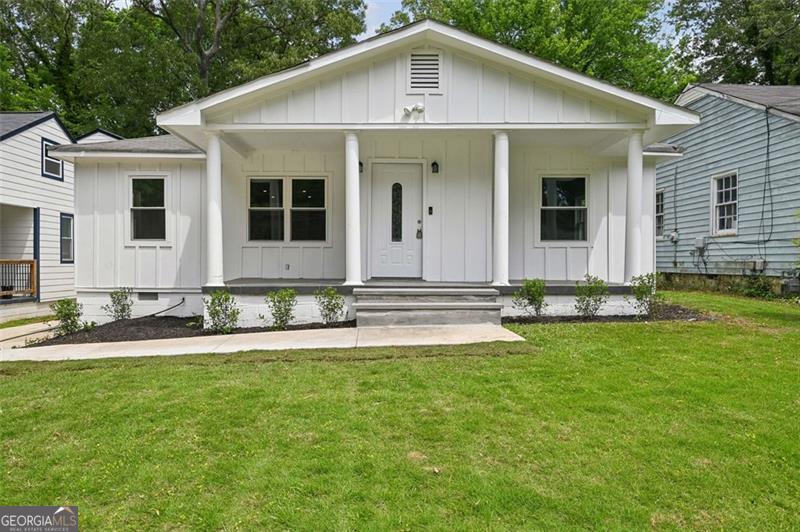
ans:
x=666 y=312
x=160 y=327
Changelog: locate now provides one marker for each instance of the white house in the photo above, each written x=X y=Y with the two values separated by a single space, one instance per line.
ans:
x=36 y=215
x=98 y=135
x=424 y=171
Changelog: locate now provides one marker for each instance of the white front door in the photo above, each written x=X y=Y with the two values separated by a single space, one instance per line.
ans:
x=396 y=220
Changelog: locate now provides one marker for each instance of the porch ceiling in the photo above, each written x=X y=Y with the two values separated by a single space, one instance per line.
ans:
x=608 y=143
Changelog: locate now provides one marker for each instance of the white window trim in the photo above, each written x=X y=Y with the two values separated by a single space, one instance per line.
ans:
x=537 y=215
x=287 y=178
x=661 y=191
x=409 y=89
x=128 y=225
x=713 y=218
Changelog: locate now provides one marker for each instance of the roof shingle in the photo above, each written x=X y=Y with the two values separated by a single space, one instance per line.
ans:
x=784 y=98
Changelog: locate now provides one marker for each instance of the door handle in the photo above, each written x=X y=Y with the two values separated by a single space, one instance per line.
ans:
x=419 y=229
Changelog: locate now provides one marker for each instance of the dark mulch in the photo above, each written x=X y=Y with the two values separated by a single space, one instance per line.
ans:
x=159 y=327
x=666 y=312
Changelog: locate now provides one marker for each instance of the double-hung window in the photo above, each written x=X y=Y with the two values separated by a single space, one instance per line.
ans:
x=563 y=211
x=725 y=204
x=51 y=167
x=67 y=232
x=148 y=208
x=660 y=213
x=298 y=204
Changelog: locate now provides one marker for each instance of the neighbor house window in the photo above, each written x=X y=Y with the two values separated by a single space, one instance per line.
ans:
x=305 y=217
x=67 y=238
x=724 y=198
x=51 y=167
x=563 y=209
x=148 y=209
x=660 y=213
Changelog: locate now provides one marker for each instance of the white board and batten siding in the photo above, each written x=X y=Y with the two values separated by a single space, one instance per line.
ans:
x=471 y=91
x=22 y=185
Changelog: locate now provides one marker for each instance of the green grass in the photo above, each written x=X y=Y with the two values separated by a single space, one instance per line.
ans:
x=623 y=426
x=26 y=321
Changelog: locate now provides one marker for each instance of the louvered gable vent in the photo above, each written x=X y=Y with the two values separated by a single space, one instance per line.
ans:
x=424 y=71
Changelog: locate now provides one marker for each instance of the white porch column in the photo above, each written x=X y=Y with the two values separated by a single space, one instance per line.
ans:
x=214 y=264
x=633 y=211
x=352 y=206
x=500 y=236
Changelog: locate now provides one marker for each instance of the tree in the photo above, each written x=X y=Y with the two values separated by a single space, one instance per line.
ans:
x=741 y=41
x=19 y=94
x=614 y=40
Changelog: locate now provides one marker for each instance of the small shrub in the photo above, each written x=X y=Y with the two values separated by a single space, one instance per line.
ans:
x=330 y=304
x=222 y=311
x=759 y=286
x=68 y=312
x=590 y=296
x=121 y=304
x=280 y=304
x=646 y=300
x=530 y=297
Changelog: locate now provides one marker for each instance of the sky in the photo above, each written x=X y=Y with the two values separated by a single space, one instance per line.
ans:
x=378 y=12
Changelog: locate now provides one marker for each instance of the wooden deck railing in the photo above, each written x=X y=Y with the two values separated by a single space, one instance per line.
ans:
x=17 y=278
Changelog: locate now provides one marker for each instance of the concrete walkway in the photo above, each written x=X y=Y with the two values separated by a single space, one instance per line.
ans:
x=271 y=341
x=16 y=336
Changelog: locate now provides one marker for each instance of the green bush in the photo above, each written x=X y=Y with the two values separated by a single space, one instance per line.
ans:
x=530 y=297
x=280 y=304
x=330 y=304
x=68 y=312
x=755 y=286
x=645 y=298
x=590 y=296
x=222 y=311
x=121 y=305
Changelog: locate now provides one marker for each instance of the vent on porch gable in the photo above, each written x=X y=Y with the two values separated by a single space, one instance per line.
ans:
x=424 y=71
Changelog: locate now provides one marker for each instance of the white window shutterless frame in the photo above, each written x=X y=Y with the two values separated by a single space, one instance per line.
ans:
x=147 y=209
x=284 y=209
x=724 y=203
x=562 y=210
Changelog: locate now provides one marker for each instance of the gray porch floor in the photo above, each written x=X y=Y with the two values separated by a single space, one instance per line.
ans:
x=257 y=286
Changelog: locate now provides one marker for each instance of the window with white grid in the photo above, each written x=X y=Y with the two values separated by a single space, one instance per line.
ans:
x=660 y=213
x=725 y=194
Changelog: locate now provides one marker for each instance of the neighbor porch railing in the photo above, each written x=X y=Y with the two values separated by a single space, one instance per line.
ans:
x=17 y=278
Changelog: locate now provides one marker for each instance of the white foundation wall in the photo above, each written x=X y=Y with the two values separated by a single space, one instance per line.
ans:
x=185 y=304
x=254 y=307
x=565 y=306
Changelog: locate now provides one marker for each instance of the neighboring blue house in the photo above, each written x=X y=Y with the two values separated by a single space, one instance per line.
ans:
x=729 y=205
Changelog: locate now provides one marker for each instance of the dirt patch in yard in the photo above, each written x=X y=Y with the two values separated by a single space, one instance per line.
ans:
x=160 y=327
x=666 y=312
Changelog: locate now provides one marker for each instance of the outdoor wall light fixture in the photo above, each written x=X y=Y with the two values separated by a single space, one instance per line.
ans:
x=435 y=167
x=360 y=167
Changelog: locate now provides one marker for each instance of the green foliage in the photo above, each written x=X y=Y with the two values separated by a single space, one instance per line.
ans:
x=740 y=41
x=280 y=304
x=646 y=299
x=755 y=286
x=68 y=312
x=222 y=311
x=530 y=297
x=330 y=304
x=617 y=41
x=590 y=296
x=121 y=304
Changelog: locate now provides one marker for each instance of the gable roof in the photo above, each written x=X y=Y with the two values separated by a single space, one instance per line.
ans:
x=167 y=145
x=784 y=98
x=99 y=130
x=15 y=122
x=190 y=114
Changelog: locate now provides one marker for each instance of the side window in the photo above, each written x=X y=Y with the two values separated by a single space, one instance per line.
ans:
x=148 y=208
x=67 y=233
x=725 y=204
x=308 y=209
x=660 y=213
x=265 y=216
x=563 y=210
x=51 y=167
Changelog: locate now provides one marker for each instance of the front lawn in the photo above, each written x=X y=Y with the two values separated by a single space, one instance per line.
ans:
x=606 y=425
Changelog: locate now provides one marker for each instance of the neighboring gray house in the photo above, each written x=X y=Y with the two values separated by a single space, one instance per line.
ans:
x=729 y=204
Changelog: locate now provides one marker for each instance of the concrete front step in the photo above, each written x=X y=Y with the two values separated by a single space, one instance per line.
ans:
x=425 y=306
